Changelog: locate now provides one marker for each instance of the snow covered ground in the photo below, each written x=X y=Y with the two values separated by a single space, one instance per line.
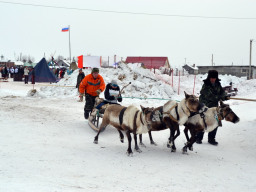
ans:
x=46 y=145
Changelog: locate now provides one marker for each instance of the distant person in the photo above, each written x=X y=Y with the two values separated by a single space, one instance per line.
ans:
x=80 y=77
x=26 y=72
x=57 y=72
x=62 y=73
x=33 y=76
x=92 y=85
x=211 y=93
x=12 y=72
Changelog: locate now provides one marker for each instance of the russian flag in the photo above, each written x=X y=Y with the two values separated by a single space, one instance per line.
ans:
x=65 y=29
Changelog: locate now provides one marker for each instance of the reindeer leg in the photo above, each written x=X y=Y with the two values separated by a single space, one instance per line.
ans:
x=121 y=136
x=192 y=139
x=102 y=126
x=152 y=142
x=129 y=150
x=136 y=144
x=169 y=142
x=176 y=127
x=186 y=133
x=190 y=142
x=141 y=143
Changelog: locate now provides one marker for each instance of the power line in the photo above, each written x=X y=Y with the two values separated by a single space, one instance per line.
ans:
x=131 y=13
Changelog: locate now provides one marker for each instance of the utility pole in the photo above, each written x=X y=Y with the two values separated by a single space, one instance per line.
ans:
x=69 y=43
x=251 y=40
x=212 y=59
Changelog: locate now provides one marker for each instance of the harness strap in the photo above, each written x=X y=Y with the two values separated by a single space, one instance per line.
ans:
x=168 y=113
x=203 y=117
x=121 y=115
x=141 y=118
x=176 y=109
x=161 y=113
x=134 y=121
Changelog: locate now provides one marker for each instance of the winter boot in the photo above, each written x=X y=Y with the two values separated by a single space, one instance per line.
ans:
x=86 y=114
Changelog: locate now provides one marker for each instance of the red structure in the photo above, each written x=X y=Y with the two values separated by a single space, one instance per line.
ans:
x=150 y=62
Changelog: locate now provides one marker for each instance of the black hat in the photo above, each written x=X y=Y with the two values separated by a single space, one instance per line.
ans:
x=212 y=74
x=95 y=70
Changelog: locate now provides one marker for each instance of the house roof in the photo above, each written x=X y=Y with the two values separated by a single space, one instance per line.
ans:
x=207 y=66
x=149 y=62
x=191 y=67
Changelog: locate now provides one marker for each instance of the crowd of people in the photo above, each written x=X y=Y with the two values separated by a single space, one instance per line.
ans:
x=20 y=73
x=16 y=72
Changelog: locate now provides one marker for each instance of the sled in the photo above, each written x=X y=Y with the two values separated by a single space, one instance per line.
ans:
x=230 y=91
x=95 y=121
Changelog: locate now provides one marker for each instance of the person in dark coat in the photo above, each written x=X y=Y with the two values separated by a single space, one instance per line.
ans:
x=211 y=93
x=57 y=72
x=80 y=77
x=33 y=76
x=112 y=94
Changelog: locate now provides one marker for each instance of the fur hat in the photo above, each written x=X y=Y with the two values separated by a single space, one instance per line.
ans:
x=96 y=70
x=114 y=82
x=212 y=74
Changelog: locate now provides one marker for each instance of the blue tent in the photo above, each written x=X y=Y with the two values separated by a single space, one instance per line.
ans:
x=43 y=72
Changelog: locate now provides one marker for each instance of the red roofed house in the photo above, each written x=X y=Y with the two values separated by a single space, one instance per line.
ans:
x=150 y=62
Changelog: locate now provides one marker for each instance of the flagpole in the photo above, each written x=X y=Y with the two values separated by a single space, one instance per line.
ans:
x=69 y=44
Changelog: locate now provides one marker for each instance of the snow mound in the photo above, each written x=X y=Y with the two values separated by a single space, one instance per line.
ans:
x=145 y=83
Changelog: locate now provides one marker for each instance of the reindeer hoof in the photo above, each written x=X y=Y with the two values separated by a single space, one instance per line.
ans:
x=138 y=150
x=169 y=145
x=130 y=154
x=95 y=142
x=153 y=143
x=142 y=145
x=190 y=148
x=122 y=140
x=184 y=150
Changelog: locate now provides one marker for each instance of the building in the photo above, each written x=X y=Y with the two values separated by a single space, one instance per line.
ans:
x=235 y=70
x=150 y=62
x=7 y=64
x=191 y=69
x=63 y=63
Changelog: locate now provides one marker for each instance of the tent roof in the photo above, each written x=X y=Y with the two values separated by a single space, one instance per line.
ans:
x=43 y=72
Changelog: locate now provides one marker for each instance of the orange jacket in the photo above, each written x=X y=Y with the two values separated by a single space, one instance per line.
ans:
x=89 y=85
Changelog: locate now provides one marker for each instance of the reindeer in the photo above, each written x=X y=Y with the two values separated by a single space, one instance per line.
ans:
x=171 y=115
x=208 y=120
x=129 y=119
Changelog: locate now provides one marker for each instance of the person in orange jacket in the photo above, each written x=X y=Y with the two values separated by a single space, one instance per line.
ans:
x=92 y=85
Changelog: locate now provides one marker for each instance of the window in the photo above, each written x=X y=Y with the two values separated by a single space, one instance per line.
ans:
x=244 y=70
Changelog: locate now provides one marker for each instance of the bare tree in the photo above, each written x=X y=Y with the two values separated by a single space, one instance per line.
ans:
x=24 y=58
x=31 y=59
x=60 y=57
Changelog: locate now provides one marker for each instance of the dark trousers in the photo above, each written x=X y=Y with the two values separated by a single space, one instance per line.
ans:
x=26 y=79
x=211 y=135
x=33 y=79
x=89 y=102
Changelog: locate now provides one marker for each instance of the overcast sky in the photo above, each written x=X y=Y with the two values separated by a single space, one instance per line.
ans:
x=36 y=30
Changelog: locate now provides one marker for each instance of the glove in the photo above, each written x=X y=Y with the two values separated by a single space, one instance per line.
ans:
x=226 y=97
x=98 y=92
